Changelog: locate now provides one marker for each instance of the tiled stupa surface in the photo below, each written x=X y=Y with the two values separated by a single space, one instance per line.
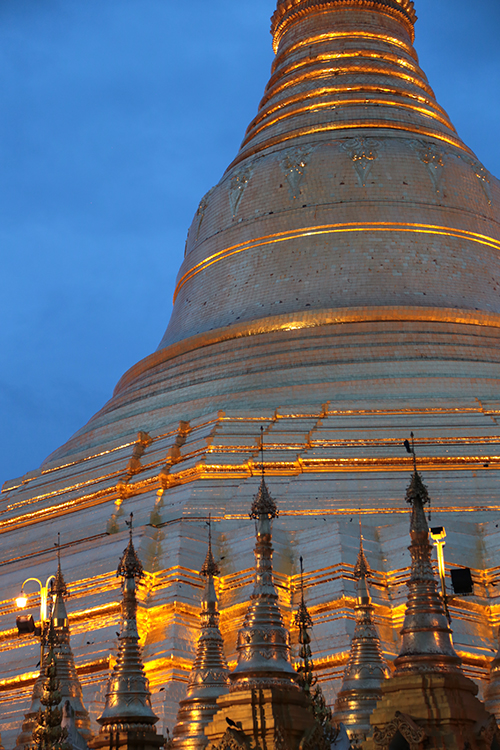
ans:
x=339 y=289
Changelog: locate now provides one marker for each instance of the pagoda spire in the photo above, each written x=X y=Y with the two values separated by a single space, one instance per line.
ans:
x=208 y=678
x=48 y=734
x=427 y=701
x=128 y=717
x=263 y=641
x=303 y=621
x=366 y=667
x=331 y=729
x=427 y=642
x=265 y=707
x=71 y=697
x=329 y=81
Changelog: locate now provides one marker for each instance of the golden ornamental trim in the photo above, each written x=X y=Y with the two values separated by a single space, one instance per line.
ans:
x=306 y=319
x=290 y=11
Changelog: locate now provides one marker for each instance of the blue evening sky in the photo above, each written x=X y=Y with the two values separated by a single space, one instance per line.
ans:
x=116 y=116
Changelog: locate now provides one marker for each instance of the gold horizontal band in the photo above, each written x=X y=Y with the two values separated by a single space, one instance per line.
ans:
x=302 y=320
x=346 y=89
x=353 y=69
x=271 y=239
x=331 y=127
x=334 y=103
x=330 y=36
x=352 y=54
x=282 y=19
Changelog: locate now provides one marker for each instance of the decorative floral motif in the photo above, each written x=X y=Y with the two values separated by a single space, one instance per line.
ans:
x=294 y=164
x=237 y=186
x=482 y=176
x=363 y=152
x=200 y=213
x=433 y=158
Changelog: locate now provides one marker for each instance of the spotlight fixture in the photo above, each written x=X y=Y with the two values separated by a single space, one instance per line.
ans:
x=25 y=624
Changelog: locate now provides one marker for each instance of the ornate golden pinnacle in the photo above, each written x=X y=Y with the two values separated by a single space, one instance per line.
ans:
x=426 y=644
x=128 y=699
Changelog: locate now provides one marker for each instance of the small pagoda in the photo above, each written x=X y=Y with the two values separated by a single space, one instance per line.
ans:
x=208 y=678
x=428 y=702
x=265 y=706
x=366 y=667
x=74 y=714
x=128 y=721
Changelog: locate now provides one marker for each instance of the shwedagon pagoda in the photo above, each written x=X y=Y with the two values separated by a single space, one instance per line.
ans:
x=277 y=587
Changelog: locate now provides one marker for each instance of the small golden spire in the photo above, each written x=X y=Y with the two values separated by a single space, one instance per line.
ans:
x=208 y=677
x=330 y=729
x=59 y=585
x=427 y=643
x=58 y=641
x=303 y=621
x=263 y=641
x=128 y=699
x=48 y=733
x=366 y=667
x=209 y=567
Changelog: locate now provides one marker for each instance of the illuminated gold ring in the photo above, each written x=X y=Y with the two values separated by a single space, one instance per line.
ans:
x=355 y=54
x=346 y=89
x=331 y=127
x=324 y=72
x=306 y=319
x=334 y=103
x=330 y=36
x=334 y=229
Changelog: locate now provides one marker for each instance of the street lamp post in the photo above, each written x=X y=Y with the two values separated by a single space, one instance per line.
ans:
x=22 y=600
x=438 y=536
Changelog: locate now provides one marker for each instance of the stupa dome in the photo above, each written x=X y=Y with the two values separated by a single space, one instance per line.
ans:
x=351 y=187
x=351 y=201
x=339 y=289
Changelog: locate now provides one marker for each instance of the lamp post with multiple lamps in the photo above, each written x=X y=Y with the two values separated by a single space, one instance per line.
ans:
x=25 y=623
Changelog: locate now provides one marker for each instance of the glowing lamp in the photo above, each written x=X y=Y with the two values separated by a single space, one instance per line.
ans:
x=21 y=601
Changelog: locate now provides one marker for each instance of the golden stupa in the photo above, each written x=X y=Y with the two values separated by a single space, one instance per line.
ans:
x=339 y=288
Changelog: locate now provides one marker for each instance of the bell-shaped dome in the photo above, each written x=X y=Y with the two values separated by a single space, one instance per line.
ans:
x=352 y=200
x=351 y=187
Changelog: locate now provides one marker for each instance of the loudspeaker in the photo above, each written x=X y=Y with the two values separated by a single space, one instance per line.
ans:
x=461 y=580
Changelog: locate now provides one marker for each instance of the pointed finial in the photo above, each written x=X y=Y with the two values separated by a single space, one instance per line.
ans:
x=128 y=698
x=361 y=569
x=410 y=448
x=130 y=566
x=129 y=524
x=209 y=567
x=417 y=496
x=302 y=619
x=58 y=584
x=263 y=504
x=262 y=450
x=417 y=491
x=366 y=668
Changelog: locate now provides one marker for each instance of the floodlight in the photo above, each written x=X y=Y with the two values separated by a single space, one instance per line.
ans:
x=25 y=624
